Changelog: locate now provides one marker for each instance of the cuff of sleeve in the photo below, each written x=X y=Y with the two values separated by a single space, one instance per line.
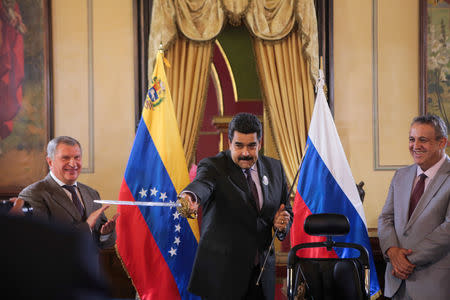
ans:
x=194 y=196
x=104 y=237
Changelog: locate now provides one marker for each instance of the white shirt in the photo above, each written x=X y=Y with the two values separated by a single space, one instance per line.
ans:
x=61 y=184
x=431 y=172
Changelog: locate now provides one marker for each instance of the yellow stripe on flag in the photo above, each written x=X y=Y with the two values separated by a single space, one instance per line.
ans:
x=159 y=116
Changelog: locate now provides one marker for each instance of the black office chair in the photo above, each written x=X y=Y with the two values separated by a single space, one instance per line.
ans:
x=328 y=278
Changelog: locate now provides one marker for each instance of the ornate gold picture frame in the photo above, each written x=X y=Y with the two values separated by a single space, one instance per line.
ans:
x=435 y=58
x=25 y=93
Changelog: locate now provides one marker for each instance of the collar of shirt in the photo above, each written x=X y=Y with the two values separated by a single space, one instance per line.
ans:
x=59 y=182
x=254 y=173
x=252 y=168
x=431 y=172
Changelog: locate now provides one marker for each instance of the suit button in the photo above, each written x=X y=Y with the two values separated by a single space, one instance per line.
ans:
x=406 y=233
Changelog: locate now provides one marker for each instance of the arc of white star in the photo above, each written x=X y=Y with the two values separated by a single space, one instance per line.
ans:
x=177 y=228
x=176 y=215
x=177 y=241
x=171 y=202
x=143 y=193
x=153 y=191
x=173 y=251
x=163 y=196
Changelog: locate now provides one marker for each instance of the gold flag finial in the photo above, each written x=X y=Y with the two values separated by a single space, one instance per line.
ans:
x=161 y=50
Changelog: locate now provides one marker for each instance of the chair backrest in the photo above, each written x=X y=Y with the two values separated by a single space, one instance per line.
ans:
x=329 y=278
x=326 y=225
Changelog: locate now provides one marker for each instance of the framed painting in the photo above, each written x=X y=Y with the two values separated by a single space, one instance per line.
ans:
x=25 y=93
x=435 y=58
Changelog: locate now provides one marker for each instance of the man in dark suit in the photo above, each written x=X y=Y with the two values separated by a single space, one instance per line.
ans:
x=243 y=197
x=59 y=197
x=414 y=225
x=41 y=260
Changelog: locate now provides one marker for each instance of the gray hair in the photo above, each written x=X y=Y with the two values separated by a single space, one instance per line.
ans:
x=51 y=147
x=435 y=121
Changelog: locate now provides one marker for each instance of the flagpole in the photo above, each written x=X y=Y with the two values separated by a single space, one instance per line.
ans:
x=276 y=229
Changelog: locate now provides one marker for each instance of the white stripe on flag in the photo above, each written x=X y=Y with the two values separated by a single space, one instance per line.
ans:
x=330 y=149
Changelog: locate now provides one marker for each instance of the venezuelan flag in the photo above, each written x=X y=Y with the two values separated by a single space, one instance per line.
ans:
x=326 y=185
x=157 y=246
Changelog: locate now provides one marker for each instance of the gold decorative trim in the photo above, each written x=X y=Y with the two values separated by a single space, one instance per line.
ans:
x=116 y=249
x=90 y=78
x=225 y=120
x=250 y=100
x=233 y=83
x=221 y=120
x=376 y=295
x=218 y=87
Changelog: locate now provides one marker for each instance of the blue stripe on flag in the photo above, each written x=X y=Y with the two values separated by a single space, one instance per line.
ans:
x=145 y=166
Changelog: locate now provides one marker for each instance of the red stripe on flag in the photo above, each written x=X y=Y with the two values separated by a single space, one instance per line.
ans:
x=149 y=271
x=299 y=236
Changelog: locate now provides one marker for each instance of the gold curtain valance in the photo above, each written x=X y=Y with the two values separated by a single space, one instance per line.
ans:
x=202 y=20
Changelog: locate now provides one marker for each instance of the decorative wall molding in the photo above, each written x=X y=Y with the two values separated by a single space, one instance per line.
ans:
x=375 y=107
x=91 y=148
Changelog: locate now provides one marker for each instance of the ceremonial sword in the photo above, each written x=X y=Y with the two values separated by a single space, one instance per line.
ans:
x=139 y=203
x=181 y=204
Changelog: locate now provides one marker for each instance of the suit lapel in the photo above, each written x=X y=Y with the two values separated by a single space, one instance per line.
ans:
x=405 y=194
x=432 y=189
x=60 y=197
x=263 y=180
x=88 y=205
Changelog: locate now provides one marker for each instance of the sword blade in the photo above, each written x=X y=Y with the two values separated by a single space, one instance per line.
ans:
x=138 y=203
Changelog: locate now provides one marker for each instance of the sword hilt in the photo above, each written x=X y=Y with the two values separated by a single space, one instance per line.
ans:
x=185 y=208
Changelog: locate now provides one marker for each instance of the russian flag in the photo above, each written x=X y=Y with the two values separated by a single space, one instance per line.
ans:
x=326 y=185
x=157 y=246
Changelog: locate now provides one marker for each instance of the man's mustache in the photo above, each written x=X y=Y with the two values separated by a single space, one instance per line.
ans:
x=245 y=158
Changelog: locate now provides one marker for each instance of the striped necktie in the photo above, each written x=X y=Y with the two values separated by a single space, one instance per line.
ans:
x=75 y=199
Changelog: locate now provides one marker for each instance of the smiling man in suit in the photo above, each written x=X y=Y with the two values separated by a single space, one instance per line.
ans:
x=59 y=197
x=243 y=196
x=414 y=226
